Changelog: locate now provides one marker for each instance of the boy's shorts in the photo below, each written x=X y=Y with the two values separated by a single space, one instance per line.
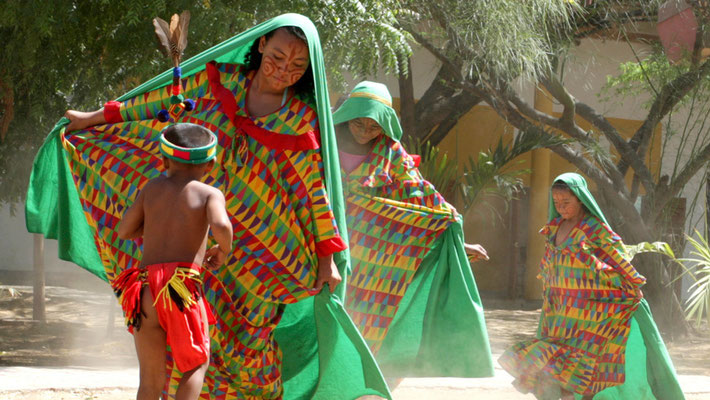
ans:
x=178 y=299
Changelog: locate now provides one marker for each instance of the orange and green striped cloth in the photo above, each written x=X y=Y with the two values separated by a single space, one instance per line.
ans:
x=274 y=335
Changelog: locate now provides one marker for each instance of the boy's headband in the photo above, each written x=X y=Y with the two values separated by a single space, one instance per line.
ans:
x=188 y=155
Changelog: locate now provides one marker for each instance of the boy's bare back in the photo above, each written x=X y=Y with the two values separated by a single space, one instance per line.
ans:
x=175 y=226
x=175 y=219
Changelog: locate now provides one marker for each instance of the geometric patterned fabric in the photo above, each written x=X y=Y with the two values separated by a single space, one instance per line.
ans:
x=589 y=296
x=394 y=217
x=271 y=172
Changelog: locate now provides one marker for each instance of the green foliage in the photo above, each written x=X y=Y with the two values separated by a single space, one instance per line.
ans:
x=698 y=267
x=76 y=55
x=495 y=171
x=685 y=125
x=436 y=167
x=644 y=76
x=68 y=54
x=502 y=39
x=647 y=247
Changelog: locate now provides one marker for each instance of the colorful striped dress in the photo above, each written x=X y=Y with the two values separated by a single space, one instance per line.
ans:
x=394 y=216
x=397 y=294
x=270 y=170
x=589 y=296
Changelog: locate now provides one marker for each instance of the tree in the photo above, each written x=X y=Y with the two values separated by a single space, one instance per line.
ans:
x=69 y=54
x=78 y=54
x=484 y=47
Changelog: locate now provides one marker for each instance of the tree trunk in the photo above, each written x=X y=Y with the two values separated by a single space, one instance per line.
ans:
x=437 y=111
x=38 y=309
x=665 y=304
x=406 y=101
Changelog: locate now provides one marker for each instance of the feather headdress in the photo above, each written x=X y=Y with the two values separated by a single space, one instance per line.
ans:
x=173 y=37
x=173 y=40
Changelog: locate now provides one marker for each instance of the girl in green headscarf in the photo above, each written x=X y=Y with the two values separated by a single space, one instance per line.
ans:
x=411 y=291
x=596 y=335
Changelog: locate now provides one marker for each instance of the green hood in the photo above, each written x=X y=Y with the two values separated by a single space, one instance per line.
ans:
x=578 y=186
x=370 y=100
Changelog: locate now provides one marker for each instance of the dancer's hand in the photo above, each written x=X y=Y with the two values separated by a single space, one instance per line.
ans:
x=476 y=252
x=327 y=273
x=82 y=119
x=214 y=257
x=639 y=293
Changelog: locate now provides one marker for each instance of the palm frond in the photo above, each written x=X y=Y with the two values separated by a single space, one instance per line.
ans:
x=697 y=306
x=435 y=166
x=493 y=171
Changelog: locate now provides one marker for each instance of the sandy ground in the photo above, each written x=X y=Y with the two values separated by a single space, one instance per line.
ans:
x=84 y=335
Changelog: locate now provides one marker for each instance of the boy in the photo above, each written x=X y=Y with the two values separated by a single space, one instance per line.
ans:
x=162 y=298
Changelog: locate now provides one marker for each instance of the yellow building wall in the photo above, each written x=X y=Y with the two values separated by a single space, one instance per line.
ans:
x=488 y=222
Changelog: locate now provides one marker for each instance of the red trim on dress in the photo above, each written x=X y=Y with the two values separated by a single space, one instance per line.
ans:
x=330 y=246
x=112 y=112
x=417 y=159
x=273 y=140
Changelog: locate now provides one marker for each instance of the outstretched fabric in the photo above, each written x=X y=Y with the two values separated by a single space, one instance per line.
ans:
x=411 y=291
x=595 y=335
x=274 y=171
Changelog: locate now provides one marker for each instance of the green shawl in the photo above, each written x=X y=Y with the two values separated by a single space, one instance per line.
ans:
x=578 y=185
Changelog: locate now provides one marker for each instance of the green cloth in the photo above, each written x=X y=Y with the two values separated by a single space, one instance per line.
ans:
x=434 y=332
x=323 y=353
x=411 y=291
x=370 y=100
x=649 y=368
x=53 y=208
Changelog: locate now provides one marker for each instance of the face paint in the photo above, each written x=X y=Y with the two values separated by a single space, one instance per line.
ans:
x=284 y=60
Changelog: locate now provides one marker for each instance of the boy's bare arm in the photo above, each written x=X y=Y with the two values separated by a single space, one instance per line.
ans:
x=221 y=230
x=131 y=225
x=219 y=220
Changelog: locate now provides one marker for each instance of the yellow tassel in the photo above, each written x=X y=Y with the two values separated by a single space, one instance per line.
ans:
x=177 y=282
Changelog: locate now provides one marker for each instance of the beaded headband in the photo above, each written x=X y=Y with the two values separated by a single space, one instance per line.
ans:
x=188 y=155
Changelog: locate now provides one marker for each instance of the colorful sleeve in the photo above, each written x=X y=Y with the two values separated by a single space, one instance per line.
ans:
x=611 y=251
x=324 y=228
x=146 y=105
x=547 y=257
